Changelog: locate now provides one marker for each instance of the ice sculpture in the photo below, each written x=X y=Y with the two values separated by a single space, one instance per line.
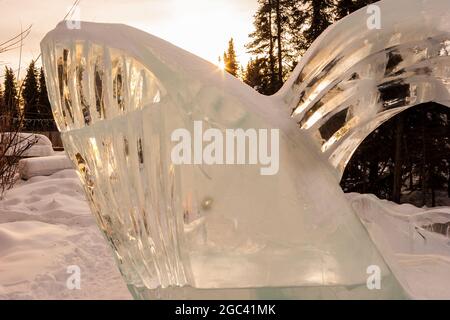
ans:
x=226 y=231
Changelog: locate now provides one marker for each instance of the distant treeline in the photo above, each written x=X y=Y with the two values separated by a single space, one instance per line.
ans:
x=28 y=101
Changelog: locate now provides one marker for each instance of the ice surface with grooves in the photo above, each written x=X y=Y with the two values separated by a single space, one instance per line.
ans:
x=216 y=231
x=354 y=78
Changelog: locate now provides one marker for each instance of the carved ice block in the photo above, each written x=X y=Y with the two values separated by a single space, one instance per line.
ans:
x=225 y=230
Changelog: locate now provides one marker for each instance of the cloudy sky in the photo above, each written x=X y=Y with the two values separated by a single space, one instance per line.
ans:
x=199 y=26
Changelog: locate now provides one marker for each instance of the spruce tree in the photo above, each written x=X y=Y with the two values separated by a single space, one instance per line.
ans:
x=320 y=17
x=10 y=94
x=44 y=106
x=45 y=109
x=30 y=93
x=2 y=106
x=230 y=59
x=257 y=75
x=271 y=39
x=286 y=54
x=345 y=7
x=262 y=43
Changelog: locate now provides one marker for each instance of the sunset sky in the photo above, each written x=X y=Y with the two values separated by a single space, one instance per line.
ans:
x=202 y=27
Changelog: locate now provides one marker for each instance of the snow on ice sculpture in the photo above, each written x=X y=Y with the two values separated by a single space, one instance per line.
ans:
x=226 y=231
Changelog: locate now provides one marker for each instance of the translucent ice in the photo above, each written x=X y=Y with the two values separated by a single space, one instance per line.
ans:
x=354 y=78
x=226 y=231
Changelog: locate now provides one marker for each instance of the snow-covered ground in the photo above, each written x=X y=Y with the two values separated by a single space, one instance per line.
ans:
x=46 y=226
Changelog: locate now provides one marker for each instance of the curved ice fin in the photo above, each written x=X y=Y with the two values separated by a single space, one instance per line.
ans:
x=355 y=77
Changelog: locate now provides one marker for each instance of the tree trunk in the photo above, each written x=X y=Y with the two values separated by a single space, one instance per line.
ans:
x=424 y=173
x=410 y=163
x=448 y=180
x=433 y=198
x=271 y=56
x=280 y=58
x=397 y=189
x=411 y=180
x=364 y=180
x=373 y=176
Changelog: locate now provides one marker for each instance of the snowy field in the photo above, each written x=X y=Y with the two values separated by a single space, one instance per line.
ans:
x=46 y=226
